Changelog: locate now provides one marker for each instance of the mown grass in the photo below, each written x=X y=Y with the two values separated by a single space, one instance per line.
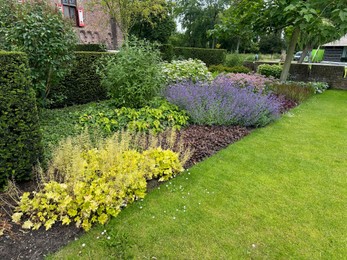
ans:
x=279 y=193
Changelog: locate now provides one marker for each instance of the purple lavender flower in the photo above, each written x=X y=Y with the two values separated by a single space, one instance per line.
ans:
x=223 y=103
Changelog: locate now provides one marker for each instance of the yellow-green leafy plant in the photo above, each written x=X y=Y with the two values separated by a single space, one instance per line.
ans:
x=88 y=183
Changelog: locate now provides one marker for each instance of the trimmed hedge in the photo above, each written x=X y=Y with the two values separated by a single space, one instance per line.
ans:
x=167 y=52
x=20 y=137
x=82 y=85
x=91 y=47
x=235 y=69
x=209 y=56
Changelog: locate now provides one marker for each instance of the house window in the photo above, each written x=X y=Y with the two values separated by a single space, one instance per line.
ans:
x=70 y=10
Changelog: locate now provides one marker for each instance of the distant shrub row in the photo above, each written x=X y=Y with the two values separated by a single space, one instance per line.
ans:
x=208 y=56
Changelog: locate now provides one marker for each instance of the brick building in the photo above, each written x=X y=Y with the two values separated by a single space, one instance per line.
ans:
x=92 y=25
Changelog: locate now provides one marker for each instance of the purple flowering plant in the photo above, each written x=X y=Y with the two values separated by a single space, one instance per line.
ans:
x=222 y=102
x=259 y=82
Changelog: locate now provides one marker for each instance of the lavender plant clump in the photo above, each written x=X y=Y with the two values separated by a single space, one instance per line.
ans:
x=222 y=102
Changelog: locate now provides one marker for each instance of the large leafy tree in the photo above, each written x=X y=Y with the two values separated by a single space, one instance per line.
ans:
x=197 y=18
x=157 y=27
x=315 y=20
x=318 y=19
x=125 y=13
x=236 y=23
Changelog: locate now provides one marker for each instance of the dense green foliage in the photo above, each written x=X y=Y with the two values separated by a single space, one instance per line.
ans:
x=155 y=28
x=133 y=76
x=279 y=193
x=87 y=184
x=146 y=119
x=42 y=33
x=270 y=70
x=236 y=69
x=91 y=47
x=186 y=70
x=82 y=84
x=20 y=137
x=197 y=18
x=167 y=52
x=209 y=56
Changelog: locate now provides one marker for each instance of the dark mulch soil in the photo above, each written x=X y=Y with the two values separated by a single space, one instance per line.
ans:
x=17 y=243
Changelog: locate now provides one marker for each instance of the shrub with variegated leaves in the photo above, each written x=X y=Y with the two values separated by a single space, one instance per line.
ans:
x=181 y=70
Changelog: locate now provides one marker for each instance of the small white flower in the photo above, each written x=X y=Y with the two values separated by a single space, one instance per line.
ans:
x=174 y=218
x=140 y=207
x=97 y=237
x=83 y=245
x=108 y=238
x=102 y=233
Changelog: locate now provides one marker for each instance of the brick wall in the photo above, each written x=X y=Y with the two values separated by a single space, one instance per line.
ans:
x=97 y=27
x=332 y=74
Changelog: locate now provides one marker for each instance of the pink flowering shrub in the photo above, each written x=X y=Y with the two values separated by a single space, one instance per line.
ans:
x=242 y=80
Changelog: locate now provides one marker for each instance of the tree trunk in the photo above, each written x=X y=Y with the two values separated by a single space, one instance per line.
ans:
x=308 y=47
x=290 y=54
x=114 y=31
x=238 y=45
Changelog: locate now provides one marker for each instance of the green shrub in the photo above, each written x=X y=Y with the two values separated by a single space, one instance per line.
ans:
x=209 y=56
x=167 y=52
x=87 y=184
x=233 y=59
x=295 y=91
x=181 y=70
x=221 y=68
x=37 y=29
x=82 y=85
x=133 y=77
x=20 y=147
x=91 y=47
x=146 y=119
x=270 y=70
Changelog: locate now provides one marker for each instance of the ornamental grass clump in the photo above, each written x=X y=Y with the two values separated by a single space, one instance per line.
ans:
x=224 y=103
x=257 y=81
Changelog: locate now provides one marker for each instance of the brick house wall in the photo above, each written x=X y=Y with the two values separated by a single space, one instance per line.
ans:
x=97 y=27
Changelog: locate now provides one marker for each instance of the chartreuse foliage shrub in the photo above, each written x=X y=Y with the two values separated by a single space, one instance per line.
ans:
x=224 y=103
x=133 y=76
x=270 y=70
x=82 y=85
x=236 y=69
x=208 y=56
x=146 y=119
x=20 y=137
x=88 y=184
x=183 y=70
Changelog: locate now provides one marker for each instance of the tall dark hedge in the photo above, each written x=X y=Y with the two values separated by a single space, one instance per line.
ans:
x=82 y=85
x=20 y=137
x=209 y=56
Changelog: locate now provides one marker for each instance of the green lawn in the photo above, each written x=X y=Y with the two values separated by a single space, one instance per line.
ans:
x=280 y=193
